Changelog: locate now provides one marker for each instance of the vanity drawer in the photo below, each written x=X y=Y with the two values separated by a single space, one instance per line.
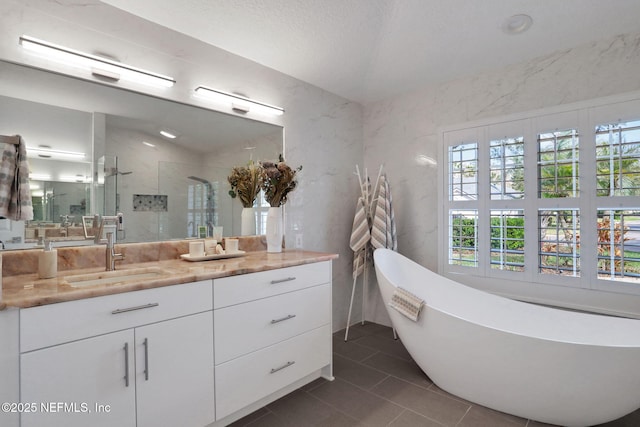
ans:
x=247 y=287
x=54 y=324
x=242 y=328
x=249 y=378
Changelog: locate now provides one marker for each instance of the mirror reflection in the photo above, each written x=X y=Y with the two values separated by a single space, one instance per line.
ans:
x=111 y=157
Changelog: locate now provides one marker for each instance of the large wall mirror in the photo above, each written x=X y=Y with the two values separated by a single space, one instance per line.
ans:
x=93 y=148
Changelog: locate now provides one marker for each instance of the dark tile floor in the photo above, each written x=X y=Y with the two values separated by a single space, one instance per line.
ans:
x=378 y=384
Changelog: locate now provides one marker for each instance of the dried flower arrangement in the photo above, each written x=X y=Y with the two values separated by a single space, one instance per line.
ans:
x=278 y=180
x=245 y=183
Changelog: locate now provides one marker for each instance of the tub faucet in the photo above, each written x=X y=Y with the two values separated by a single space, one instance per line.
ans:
x=111 y=255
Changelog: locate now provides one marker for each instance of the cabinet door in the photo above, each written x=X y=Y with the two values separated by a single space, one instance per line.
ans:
x=174 y=372
x=81 y=383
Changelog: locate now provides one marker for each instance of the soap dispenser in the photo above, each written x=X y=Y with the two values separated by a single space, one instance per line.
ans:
x=48 y=261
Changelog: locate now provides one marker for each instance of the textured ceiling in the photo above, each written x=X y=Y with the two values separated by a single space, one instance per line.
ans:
x=366 y=50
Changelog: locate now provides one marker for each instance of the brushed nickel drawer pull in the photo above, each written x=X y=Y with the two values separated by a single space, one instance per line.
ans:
x=286 y=365
x=288 y=279
x=146 y=359
x=138 y=307
x=126 y=364
x=282 y=319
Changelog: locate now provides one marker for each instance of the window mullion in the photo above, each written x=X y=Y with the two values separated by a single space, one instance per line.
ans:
x=530 y=203
x=588 y=200
x=484 y=197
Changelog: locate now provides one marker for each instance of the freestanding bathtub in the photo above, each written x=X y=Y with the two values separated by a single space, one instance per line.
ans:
x=550 y=365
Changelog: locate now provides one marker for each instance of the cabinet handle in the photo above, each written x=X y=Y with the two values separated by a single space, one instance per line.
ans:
x=288 y=279
x=146 y=359
x=286 y=365
x=282 y=319
x=126 y=364
x=138 y=307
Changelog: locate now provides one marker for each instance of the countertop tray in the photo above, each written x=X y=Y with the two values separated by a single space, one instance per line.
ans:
x=188 y=257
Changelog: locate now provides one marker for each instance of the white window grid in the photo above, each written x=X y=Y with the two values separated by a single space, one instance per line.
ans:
x=507 y=239
x=585 y=120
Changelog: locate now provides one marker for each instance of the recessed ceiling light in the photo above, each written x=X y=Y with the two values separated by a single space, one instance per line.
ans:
x=167 y=134
x=517 y=24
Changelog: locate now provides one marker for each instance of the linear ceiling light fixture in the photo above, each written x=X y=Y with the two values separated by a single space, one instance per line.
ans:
x=96 y=65
x=46 y=152
x=238 y=102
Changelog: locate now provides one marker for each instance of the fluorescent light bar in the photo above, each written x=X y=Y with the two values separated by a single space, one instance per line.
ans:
x=39 y=177
x=96 y=65
x=73 y=178
x=47 y=152
x=237 y=102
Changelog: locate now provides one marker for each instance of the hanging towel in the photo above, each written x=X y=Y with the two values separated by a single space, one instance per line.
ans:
x=360 y=236
x=15 y=195
x=383 y=232
x=406 y=303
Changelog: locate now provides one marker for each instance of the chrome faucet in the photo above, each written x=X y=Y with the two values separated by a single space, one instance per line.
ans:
x=111 y=255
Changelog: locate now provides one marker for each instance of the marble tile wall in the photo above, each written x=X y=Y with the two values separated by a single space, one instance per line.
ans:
x=397 y=130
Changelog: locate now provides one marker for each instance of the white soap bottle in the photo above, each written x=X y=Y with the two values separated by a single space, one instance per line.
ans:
x=48 y=261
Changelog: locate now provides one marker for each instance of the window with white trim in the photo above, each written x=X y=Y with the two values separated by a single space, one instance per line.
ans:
x=549 y=199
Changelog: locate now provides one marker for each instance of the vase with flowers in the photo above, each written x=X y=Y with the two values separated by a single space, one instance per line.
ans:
x=245 y=184
x=278 y=180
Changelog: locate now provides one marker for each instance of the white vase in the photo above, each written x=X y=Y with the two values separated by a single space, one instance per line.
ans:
x=248 y=222
x=274 y=230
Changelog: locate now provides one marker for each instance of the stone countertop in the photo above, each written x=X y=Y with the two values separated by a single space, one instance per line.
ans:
x=27 y=290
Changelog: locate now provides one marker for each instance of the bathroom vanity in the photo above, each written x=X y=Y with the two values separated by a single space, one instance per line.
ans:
x=227 y=338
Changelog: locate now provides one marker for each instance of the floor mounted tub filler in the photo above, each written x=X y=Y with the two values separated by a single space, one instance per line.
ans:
x=550 y=365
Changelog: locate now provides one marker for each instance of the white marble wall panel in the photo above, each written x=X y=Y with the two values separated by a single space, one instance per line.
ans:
x=397 y=129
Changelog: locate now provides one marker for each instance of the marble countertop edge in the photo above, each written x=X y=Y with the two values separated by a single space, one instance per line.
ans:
x=27 y=290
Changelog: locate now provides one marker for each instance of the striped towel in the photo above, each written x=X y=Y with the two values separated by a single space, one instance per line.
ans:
x=406 y=303
x=15 y=195
x=383 y=232
x=360 y=235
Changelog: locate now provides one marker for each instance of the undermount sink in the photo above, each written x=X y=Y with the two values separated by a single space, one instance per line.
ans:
x=114 y=277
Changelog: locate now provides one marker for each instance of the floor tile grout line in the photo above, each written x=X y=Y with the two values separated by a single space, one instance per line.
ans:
x=398 y=416
x=388 y=374
x=269 y=411
x=334 y=407
x=403 y=379
x=364 y=390
x=402 y=406
x=463 y=416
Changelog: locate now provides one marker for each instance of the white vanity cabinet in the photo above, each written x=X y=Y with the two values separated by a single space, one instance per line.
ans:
x=141 y=358
x=272 y=334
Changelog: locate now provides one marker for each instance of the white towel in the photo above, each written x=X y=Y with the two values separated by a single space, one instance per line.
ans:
x=406 y=303
x=383 y=232
x=15 y=195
